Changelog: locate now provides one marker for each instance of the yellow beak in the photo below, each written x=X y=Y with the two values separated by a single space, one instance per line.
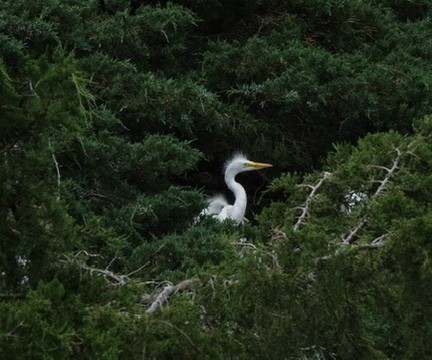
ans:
x=258 y=165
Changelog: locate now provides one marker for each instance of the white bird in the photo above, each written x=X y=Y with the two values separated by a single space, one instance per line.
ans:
x=218 y=206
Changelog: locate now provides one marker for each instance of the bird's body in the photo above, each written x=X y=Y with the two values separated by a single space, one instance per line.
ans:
x=218 y=206
x=215 y=205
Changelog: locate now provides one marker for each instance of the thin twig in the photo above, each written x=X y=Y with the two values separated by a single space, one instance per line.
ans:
x=351 y=237
x=10 y=146
x=32 y=89
x=307 y=203
x=246 y=245
x=111 y=262
x=181 y=332
x=116 y=279
x=57 y=170
x=139 y=269
x=242 y=243
x=113 y=278
x=11 y=332
x=12 y=295
x=377 y=243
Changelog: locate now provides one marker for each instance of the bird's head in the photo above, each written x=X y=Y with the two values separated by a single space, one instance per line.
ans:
x=239 y=163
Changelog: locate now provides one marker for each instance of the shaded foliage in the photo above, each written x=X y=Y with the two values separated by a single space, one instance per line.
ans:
x=115 y=115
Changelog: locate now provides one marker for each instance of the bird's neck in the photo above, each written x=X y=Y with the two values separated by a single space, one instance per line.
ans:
x=239 y=193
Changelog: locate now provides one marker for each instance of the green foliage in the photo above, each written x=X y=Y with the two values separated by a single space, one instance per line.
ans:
x=47 y=315
x=361 y=246
x=115 y=114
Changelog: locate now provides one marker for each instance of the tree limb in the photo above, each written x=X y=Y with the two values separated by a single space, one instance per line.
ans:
x=305 y=207
x=12 y=296
x=351 y=237
x=166 y=292
x=113 y=278
x=243 y=244
x=390 y=172
x=377 y=243
x=12 y=331
x=57 y=170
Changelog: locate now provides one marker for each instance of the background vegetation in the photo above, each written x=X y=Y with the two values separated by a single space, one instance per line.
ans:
x=116 y=117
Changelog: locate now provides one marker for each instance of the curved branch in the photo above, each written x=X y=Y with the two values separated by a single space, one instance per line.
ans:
x=166 y=292
x=307 y=203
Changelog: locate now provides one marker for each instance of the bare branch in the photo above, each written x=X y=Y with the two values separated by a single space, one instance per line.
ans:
x=390 y=172
x=370 y=246
x=279 y=235
x=57 y=170
x=306 y=205
x=32 y=89
x=243 y=244
x=379 y=240
x=161 y=299
x=86 y=253
x=351 y=237
x=139 y=269
x=166 y=292
x=309 y=186
x=377 y=243
x=181 y=332
x=16 y=327
x=246 y=245
x=12 y=296
x=113 y=278
x=111 y=262
x=13 y=145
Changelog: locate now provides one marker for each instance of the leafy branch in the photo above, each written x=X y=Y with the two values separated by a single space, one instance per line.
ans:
x=383 y=183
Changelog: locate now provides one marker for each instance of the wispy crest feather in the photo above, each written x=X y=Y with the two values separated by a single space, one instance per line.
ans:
x=237 y=156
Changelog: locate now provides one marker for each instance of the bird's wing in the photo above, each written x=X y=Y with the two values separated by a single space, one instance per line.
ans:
x=219 y=208
x=225 y=213
x=215 y=205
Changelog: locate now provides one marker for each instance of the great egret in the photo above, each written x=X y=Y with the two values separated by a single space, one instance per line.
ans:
x=218 y=206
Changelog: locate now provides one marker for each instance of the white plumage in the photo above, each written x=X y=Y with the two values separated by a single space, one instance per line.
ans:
x=218 y=206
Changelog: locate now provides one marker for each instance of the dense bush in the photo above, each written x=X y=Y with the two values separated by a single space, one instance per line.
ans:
x=116 y=115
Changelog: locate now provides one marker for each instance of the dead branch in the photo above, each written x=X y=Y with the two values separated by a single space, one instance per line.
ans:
x=166 y=292
x=305 y=207
x=35 y=94
x=56 y=164
x=351 y=237
x=279 y=235
x=12 y=296
x=113 y=278
x=376 y=244
x=14 y=329
x=243 y=244
x=181 y=332
x=13 y=145
x=390 y=172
